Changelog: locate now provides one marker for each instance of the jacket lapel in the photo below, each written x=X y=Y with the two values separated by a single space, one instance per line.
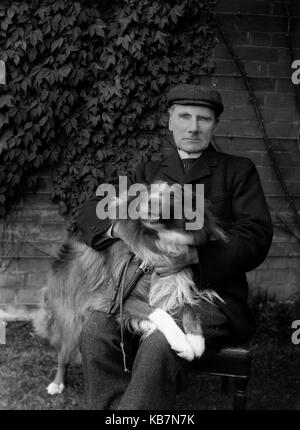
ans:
x=171 y=166
x=202 y=166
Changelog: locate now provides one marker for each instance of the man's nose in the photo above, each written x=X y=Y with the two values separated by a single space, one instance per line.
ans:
x=194 y=125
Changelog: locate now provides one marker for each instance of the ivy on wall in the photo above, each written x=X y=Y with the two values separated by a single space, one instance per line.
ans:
x=86 y=86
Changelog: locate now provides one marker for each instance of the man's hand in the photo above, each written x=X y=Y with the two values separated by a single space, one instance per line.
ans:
x=178 y=263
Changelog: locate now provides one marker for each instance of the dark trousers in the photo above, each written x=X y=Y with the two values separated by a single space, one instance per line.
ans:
x=156 y=374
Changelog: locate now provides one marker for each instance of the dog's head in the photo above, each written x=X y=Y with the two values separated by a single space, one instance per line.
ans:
x=173 y=211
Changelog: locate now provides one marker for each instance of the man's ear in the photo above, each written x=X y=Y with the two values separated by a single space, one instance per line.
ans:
x=217 y=120
x=170 y=123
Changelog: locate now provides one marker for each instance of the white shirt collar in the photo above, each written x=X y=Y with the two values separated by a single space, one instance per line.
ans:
x=183 y=154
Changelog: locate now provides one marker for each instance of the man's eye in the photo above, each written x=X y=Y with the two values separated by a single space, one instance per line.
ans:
x=185 y=116
x=204 y=118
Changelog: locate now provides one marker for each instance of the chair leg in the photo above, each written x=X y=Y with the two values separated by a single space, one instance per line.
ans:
x=240 y=393
x=225 y=384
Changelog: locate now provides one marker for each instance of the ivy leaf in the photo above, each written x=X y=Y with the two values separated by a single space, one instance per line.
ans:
x=6 y=100
x=57 y=44
x=4 y=139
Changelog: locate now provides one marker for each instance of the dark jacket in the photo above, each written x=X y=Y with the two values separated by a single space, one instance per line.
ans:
x=233 y=187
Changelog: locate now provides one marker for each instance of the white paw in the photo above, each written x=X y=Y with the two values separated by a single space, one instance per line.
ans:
x=174 y=335
x=182 y=348
x=197 y=343
x=54 y=388
x=147 y=326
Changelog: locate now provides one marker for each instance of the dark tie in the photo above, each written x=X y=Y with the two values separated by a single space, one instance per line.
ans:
x=187 y=164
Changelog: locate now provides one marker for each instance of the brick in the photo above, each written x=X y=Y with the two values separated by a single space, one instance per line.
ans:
x=281 y=129
x=296 y=25
x=253 y=23
x=257 y=69
x=283 y=263
x=237 y=98
x=15 y=280
x=28 y=296
x=280 y=70
x=247 y=143
x=280 y=235
x=225 y=67
x=260 y=38
x=32 y=231
x=53 y=232
x=37 y=279
x=276 y=292
x=267 y=173
x=245 y=6
x=263 y=84
x=8 y=265
x=281 y=284
x=280 y=40
x=288 y=145
x=7 y=296
x=236 y=37
x=279 y=203
x=261 y=158
x=238 y=127
x=275 y=263
x=221 y=52
x=278 y=8
x=38 y=198
x=254 y=53
x=36 y=215
x=284 y=55
x=222 y=82
x=285 y=86
x=26 y=249
x=294 y=9
x=243 y=113
x=34 y=264
x=45 y=182
x=283 y=216
x=279 y=100
x=278 y=115
x=273 y=187
x=239 y=143
x=296 y=53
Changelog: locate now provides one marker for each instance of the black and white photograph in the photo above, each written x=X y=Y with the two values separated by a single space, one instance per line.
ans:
x=150 y=207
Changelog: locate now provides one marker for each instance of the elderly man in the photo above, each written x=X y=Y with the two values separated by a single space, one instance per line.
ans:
x=233 y=187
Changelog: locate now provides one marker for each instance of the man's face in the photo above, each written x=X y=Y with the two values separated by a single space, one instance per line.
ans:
x=192 y=127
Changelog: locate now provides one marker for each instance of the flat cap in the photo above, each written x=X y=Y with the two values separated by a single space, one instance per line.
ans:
x=198 y=95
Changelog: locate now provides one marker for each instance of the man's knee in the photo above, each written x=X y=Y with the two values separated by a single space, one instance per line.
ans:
x=157 y=347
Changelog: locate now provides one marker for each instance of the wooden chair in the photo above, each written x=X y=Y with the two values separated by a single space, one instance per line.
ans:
x=231 y=363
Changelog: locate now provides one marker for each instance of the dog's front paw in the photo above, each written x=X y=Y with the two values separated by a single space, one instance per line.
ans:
x=197 y=343
x=147 y=327
x=54 y=388
x=174 y=335
x=182 y=348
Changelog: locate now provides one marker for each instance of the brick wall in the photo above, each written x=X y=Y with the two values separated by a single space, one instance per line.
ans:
x=256 y=30
x=28 y=238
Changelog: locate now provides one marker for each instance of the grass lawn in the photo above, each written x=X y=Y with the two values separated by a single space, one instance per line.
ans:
x=27 y=365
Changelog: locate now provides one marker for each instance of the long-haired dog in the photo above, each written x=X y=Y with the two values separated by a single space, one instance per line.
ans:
x=82 y=280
